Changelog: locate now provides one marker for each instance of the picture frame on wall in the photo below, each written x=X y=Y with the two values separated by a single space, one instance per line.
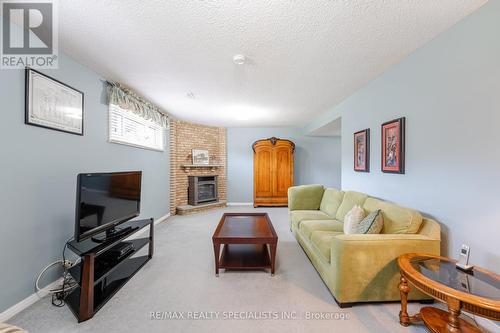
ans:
x=393 y=146
x=362 y=151
x=52 y=104
x=200 y=157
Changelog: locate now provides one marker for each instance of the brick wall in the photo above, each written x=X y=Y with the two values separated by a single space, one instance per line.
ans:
x=184 y=137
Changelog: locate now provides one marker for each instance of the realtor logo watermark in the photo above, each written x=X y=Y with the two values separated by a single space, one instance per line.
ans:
x=29 y=34
x=247 y=315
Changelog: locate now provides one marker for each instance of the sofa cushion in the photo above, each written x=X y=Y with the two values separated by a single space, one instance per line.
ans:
x=322 y=241
x=307 y=227
x=305 y=197
x=330 y=203
x=397 y=219
x=350 y=199
x=296 y=216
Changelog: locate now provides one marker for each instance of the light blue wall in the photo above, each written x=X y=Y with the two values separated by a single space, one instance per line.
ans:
x=38 y=169
x=317 y=159
x=449 y=92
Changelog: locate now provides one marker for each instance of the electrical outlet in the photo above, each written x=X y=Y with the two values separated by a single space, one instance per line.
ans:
x=67 y=264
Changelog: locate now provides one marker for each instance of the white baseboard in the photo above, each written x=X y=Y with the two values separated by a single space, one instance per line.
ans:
x=35 y=297
x=240 y=203
x=144 y=230
x=28 y=301
x=162 y=219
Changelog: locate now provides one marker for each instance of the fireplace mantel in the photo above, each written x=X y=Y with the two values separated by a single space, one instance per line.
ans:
x=212 y=167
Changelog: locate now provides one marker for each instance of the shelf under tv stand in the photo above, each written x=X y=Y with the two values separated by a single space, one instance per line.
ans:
x=99 y=280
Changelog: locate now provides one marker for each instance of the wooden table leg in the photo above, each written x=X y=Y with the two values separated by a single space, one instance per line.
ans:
x=454 y=308
x=404 y=318
x=217 y=257
x=404 y=289
x=273 y=257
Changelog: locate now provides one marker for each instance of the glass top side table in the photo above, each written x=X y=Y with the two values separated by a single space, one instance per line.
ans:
x=477 y=292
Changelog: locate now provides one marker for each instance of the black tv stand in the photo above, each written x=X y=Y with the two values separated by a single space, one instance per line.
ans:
x=99 y=278
x=111 y=234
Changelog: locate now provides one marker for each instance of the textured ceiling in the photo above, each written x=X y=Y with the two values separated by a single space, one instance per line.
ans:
x=304 y=56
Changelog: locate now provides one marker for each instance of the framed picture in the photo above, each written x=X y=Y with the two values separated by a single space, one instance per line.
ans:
x=393 y=146
x=52 y=104
x=200 y=157
x=362 y=151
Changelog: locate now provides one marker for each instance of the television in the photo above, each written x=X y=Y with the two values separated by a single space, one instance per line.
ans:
x=105 y=200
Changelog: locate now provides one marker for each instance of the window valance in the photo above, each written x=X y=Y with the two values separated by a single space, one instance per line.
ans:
x=128 y=100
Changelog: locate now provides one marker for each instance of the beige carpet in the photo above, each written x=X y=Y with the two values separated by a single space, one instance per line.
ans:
x=180 y=281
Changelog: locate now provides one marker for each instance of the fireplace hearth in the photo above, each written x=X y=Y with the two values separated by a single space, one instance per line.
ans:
x=202 y=190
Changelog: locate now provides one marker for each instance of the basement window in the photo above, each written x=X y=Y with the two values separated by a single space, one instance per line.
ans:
x=128 y=128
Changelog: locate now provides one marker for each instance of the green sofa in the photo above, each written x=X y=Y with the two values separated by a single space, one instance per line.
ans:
x=358 y=268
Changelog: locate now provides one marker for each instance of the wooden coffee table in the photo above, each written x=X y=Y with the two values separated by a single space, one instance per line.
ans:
x=476 y=292
x=249 y=242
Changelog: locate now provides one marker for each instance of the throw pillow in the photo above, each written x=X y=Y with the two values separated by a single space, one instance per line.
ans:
x=352 y=219
x=372 y=224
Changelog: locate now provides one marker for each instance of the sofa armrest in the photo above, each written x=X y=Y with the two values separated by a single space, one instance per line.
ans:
x=305 y=197
x=364 y=266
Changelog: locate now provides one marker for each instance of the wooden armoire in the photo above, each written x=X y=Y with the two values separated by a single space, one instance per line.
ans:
x=272 y=171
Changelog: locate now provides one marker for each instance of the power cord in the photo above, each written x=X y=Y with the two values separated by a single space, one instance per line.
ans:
x=58 y=298
x=472 y=317
x=68 y=284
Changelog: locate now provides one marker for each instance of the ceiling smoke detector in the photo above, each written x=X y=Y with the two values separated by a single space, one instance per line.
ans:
x=239 y=59
x=191 y=95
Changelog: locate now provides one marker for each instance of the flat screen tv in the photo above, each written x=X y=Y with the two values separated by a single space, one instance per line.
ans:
x=105 y=200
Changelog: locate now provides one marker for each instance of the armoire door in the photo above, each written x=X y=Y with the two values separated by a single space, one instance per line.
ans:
x=263 y=176
x=282 y=171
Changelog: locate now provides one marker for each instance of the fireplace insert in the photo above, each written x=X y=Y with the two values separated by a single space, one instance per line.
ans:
x=202 y=189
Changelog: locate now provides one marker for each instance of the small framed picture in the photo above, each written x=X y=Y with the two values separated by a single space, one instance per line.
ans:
x=200 y=157
x=393 y=146
x=52 y=104
x=362 y=151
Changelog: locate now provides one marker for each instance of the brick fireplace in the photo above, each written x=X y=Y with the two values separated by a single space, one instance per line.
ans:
x=184 y=137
